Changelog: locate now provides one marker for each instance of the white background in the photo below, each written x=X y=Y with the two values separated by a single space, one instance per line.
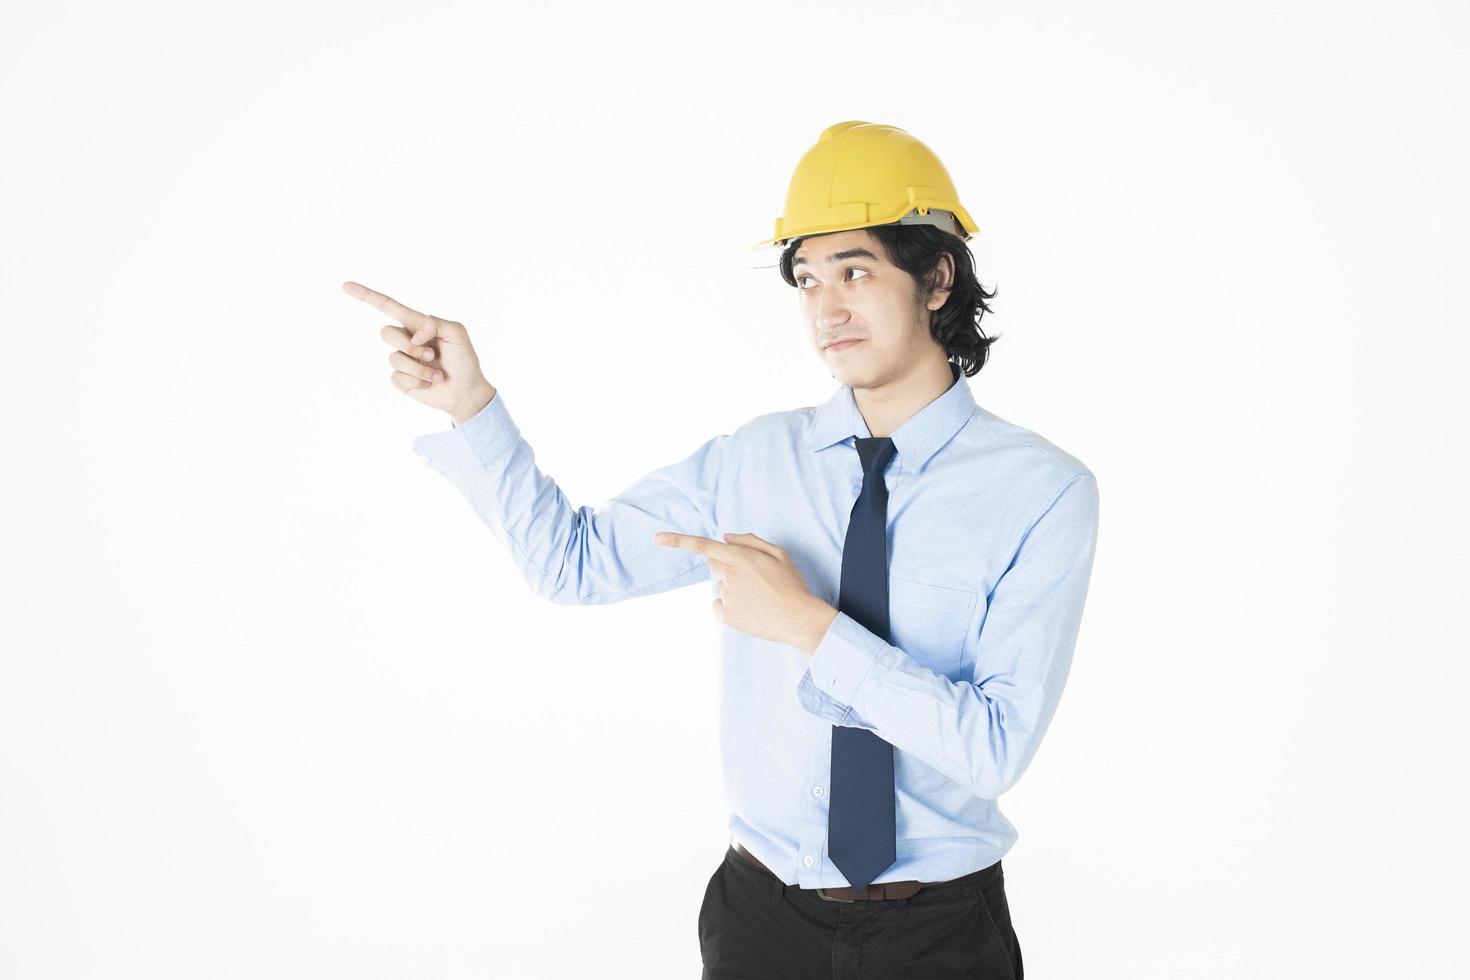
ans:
x=274 y=704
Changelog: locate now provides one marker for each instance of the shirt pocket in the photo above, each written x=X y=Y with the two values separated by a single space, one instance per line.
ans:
x=930 y=622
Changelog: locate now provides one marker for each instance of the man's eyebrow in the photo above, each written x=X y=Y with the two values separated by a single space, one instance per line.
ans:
x=849 y=253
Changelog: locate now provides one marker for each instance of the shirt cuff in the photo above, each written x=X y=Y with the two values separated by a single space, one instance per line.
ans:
x=848 y=655
x=491 y=430
x=483 y=439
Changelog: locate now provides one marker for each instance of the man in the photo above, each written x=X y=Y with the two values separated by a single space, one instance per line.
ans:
x=899 y=572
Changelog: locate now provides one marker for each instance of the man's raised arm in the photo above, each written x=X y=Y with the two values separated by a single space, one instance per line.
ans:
x=579 y=555
x=570 y=555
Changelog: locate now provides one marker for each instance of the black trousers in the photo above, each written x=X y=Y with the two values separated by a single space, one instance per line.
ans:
x=752 y=926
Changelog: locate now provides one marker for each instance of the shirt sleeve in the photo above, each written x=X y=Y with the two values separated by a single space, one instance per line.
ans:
x=579 y=555
x=984 y=732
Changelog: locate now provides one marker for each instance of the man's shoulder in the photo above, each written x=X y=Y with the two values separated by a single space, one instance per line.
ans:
x=1004 y=445
x=1024 y=448
x=779 y=424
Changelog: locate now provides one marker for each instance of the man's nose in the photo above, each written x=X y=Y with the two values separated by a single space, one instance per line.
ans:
x=831 y=311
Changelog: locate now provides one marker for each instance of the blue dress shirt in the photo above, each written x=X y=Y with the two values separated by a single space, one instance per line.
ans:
x=992 y=531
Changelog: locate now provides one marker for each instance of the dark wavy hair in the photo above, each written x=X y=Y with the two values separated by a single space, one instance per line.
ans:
x=916 y=249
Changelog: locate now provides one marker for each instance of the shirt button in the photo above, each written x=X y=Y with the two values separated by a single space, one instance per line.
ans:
x=816 y=791
x=808 y=860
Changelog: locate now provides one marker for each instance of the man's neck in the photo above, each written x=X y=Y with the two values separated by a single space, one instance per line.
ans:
x=886 y=408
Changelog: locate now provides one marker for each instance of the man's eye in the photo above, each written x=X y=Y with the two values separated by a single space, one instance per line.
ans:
x=849 y=269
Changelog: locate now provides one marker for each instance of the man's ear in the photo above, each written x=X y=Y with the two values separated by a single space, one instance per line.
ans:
x=941 y=281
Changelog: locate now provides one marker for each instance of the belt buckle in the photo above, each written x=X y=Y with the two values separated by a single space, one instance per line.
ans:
x=822 y=893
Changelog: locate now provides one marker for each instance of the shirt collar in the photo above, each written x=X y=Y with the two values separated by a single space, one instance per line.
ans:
x=917 y=439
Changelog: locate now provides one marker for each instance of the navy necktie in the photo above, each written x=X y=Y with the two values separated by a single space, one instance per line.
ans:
x=860 y=821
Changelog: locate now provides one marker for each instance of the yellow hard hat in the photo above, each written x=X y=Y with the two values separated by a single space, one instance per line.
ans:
x=860 y=174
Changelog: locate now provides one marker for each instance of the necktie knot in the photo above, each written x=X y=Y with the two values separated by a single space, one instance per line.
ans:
x=875 y=453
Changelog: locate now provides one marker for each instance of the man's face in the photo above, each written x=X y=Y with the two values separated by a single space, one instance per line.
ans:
x=847 y=288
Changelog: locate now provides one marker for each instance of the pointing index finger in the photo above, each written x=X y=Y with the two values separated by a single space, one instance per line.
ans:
x=709 y=547
x=405 y=315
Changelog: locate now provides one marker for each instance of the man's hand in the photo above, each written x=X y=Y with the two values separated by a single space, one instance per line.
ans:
x=433 y=360
x=761 y=592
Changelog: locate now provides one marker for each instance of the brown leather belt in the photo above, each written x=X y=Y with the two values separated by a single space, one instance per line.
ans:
x=876 y=892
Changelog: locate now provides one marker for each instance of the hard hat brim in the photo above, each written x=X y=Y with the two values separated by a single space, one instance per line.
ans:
x=960 y=224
